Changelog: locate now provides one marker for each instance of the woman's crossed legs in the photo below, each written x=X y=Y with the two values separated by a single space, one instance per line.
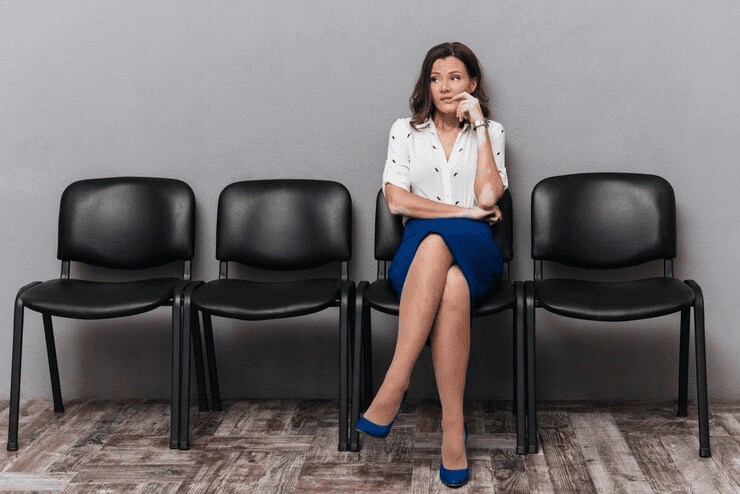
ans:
x=435 y=295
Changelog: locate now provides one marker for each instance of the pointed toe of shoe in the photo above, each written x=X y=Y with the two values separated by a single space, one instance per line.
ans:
x=372 y=429
x=454 y=478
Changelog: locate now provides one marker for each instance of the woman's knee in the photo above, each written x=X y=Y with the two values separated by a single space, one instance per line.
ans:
x=456 y=286
x=434 y=246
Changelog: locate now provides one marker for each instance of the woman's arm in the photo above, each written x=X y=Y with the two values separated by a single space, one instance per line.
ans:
x=488 y=186
x=405 y=203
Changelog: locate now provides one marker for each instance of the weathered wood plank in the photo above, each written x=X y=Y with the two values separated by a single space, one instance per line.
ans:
x=15 y=481
x=216 y=467
x=611 y=464
x=729 y=423
x=391 y=478
x=134 y=474
x=508 y=471
x=281 y=473
x=726 y=454
x=538 y=474
x=657 y=465
x=702 y=475
x=398 y=447
x=55 y=440
x=324 y=447
x=559 y=445
x=260 y=442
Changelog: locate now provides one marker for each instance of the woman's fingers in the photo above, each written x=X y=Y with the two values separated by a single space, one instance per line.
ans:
x=468 y=107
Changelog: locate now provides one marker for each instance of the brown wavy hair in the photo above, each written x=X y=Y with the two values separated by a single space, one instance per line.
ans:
x=422 y=105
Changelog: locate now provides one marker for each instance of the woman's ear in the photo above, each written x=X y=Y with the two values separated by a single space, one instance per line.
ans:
x=473 y=84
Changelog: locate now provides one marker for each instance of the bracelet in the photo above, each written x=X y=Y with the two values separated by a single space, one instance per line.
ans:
x=479 y=123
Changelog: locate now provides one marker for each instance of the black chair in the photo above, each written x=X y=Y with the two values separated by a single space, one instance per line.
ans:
x=381 y=296
x=602 y=221
x=126 y=223
x=285 y=225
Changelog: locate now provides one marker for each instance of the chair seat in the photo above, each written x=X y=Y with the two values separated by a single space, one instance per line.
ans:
x=382 y=297
x=256 y=301
x=84 y=299
x=614 y=301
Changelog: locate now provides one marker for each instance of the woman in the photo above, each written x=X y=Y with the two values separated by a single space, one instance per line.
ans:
x=444 y=173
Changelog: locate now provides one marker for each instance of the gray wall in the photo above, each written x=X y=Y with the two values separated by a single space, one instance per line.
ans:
x=215 y=92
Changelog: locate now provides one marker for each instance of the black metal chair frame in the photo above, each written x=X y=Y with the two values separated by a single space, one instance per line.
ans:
x=388 y=235
x=107 y=223
x=340 y=207
x=569 y=201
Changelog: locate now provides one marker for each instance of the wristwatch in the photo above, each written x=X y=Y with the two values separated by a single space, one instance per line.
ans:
x=478 y=123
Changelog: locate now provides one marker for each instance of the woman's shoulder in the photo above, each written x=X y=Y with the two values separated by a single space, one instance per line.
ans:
x=401 y=124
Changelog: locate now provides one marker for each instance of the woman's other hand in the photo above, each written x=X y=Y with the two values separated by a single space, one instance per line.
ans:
x=490 y=216
x=468 y=107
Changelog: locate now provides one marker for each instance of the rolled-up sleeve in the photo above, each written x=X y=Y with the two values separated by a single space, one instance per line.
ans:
x=396 y=170
x=496 y=134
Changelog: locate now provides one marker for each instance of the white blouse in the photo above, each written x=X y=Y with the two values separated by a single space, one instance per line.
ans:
x=417 y=162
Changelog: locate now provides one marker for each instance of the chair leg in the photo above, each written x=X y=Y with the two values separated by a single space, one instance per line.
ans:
x=175 y=374
x=701 y=371
x=520 y=371
x=211 y=361
x=515 y=362
x=531 y=374
x=15 y=372
x=357 y=361
x=683 y=364
x=367 y=358
x=346 y=322
x=15 y=375
x=200 y=373
x=51 y=352
x=187 y=321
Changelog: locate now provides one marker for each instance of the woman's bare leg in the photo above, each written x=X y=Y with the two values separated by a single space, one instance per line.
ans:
x=422 y=292
x=450 y=351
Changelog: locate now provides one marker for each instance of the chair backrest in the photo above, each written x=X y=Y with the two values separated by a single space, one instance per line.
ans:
x=284 y=224
x=389 y=229
x=127 y=222
x=603 y=220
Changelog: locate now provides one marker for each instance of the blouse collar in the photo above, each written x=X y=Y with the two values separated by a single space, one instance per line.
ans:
x=429 y=122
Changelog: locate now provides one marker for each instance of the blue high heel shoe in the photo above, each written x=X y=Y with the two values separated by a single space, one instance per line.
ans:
x=372 y=429
x=455 y=478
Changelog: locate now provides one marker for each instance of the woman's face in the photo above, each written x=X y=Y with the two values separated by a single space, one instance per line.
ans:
x=449 y=78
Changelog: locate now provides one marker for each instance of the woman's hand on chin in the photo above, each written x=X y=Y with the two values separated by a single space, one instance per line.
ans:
x=468 y=107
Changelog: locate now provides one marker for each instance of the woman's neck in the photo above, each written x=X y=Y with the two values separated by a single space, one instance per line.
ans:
x=446 y=122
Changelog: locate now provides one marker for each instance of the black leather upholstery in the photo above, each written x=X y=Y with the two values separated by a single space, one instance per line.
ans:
x=612 y=220
x=83 y=299
x=127 y=223
x=282 y=225
x=286 y=226
x=381 y=296
x=122 y=223
x=258 y=301
x=614 y=301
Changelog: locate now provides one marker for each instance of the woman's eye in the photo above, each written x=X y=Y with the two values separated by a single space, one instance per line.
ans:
x=455 y=77
x=435 y=79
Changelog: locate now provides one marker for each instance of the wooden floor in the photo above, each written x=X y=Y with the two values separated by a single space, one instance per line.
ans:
x=291 y=446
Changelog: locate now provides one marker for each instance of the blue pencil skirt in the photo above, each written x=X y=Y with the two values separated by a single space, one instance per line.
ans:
x=471 y=243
